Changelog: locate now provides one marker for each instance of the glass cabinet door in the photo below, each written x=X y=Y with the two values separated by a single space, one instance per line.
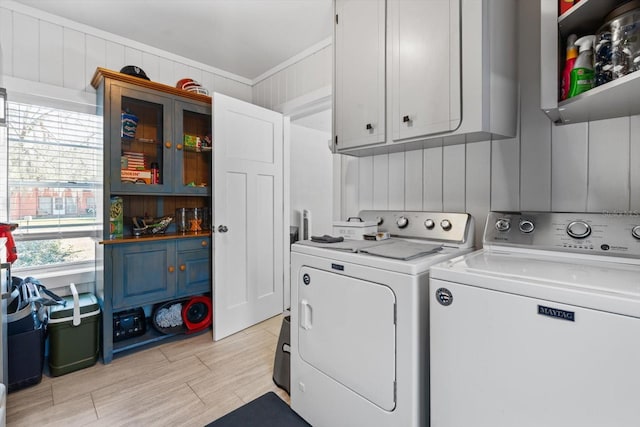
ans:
x=141 y=145
x=194 y=146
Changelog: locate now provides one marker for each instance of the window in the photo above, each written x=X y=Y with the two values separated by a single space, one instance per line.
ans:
x=54 y=176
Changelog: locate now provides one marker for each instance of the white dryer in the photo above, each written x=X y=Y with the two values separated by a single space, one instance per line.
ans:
x=542 y=326
x=359 y=320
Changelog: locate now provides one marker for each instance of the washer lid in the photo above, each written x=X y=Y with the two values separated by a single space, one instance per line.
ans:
x=607 y=286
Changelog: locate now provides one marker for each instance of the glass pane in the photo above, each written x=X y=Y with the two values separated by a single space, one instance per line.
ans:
x=54 y=176
x=37 y=253
x=197 y=143
x=142 y=151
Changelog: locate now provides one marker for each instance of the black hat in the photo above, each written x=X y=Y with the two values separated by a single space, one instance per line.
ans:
x=134 y=71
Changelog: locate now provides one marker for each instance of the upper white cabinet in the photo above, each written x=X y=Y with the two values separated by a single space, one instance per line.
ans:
x=425 y=67
x=617 y=98
x=359 y=72
x=411 y=72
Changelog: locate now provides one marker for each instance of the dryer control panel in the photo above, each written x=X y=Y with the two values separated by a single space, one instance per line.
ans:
x=610 y=234
x=447 y=227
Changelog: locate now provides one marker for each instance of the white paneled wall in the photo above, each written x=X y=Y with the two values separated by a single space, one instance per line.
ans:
x=301 y=77
x=581 y=167
x=55 y=53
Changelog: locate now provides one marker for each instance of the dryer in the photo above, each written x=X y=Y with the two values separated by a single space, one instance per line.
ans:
x=541 y=326
x=359 y=320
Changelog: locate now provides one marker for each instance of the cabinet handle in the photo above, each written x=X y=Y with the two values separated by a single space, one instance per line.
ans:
x=222 y=229
x=179 y=147
x=183 y=267
x=406 y=119
x=167 y=144
x=369 y=126
x=172 y=269
x=204 y=243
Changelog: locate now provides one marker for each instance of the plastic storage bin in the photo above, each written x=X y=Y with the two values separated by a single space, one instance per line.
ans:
x=73 y=333
x=282 y=362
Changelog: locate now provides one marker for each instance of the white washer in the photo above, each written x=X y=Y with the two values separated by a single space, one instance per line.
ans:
x=542 y=326
x=359 y=322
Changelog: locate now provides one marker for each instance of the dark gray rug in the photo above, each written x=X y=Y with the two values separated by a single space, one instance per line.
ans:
x=267 y=410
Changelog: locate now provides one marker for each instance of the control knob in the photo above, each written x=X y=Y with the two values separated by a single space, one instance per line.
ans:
x=402 y=222
x=503 y=224
x=526 y=225
x=635 y=232
x=429 y=224
x=445 y=224
x=578 y=229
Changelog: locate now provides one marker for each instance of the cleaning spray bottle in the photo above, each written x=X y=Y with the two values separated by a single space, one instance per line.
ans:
x=572 y=54
x=582 y=74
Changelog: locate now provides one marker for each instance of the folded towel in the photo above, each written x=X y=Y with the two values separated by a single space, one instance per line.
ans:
x=326 y=239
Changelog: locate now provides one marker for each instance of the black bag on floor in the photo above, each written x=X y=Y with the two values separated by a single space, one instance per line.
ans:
x=27 y=331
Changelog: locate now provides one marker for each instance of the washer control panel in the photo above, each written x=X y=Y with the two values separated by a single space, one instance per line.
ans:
x=612 y=234
x=454 y=227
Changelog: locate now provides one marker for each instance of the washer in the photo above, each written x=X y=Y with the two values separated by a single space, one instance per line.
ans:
x=542 y=326
x=359 y=320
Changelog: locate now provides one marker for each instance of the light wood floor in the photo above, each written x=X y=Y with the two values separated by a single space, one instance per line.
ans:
x=183 y=383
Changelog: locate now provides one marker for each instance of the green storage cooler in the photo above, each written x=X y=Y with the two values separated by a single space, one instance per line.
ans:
x=73 y=333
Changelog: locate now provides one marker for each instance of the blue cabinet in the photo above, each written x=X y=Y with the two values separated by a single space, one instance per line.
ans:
x=147 y=272
x=157 y=159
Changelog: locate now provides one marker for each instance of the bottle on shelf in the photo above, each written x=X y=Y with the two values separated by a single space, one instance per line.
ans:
x=572 y=54
x=582 y=74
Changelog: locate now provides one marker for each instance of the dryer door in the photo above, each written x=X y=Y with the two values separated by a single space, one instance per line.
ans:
x=347 y=330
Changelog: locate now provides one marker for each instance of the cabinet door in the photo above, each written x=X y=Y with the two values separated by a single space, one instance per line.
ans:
x=192 y=153
x=425 y=67
x=194 y=266
x=359 y=73
x=143 y=273
x=139 y=139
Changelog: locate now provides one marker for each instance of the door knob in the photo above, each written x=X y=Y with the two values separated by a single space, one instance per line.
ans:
x=222 y=229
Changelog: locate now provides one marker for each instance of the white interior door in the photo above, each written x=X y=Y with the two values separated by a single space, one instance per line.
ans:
x=248 y=215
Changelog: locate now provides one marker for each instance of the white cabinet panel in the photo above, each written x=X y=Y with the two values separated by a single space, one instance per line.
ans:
x=381 y=182
x=608 y=166
x=569 y=152
x=453 y=178
x=151 y=66
x=74 y=54
x=365 y=183
x=413 y=181
x=359 y=98
x=635 y=164
x=133 y=56
x=51 y=54
x=425 y=70
x=396 y=181
x=114 y=56
x=432 y=188
x=350 y=187
x=25 y=39
x=478 y=178
x=505 y=175
x=96 y=53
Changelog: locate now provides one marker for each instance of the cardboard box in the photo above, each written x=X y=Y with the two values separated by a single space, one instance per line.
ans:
x=116 y=218
x=142 y=176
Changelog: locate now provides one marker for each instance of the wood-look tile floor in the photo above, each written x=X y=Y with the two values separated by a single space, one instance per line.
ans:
x=190 y=382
